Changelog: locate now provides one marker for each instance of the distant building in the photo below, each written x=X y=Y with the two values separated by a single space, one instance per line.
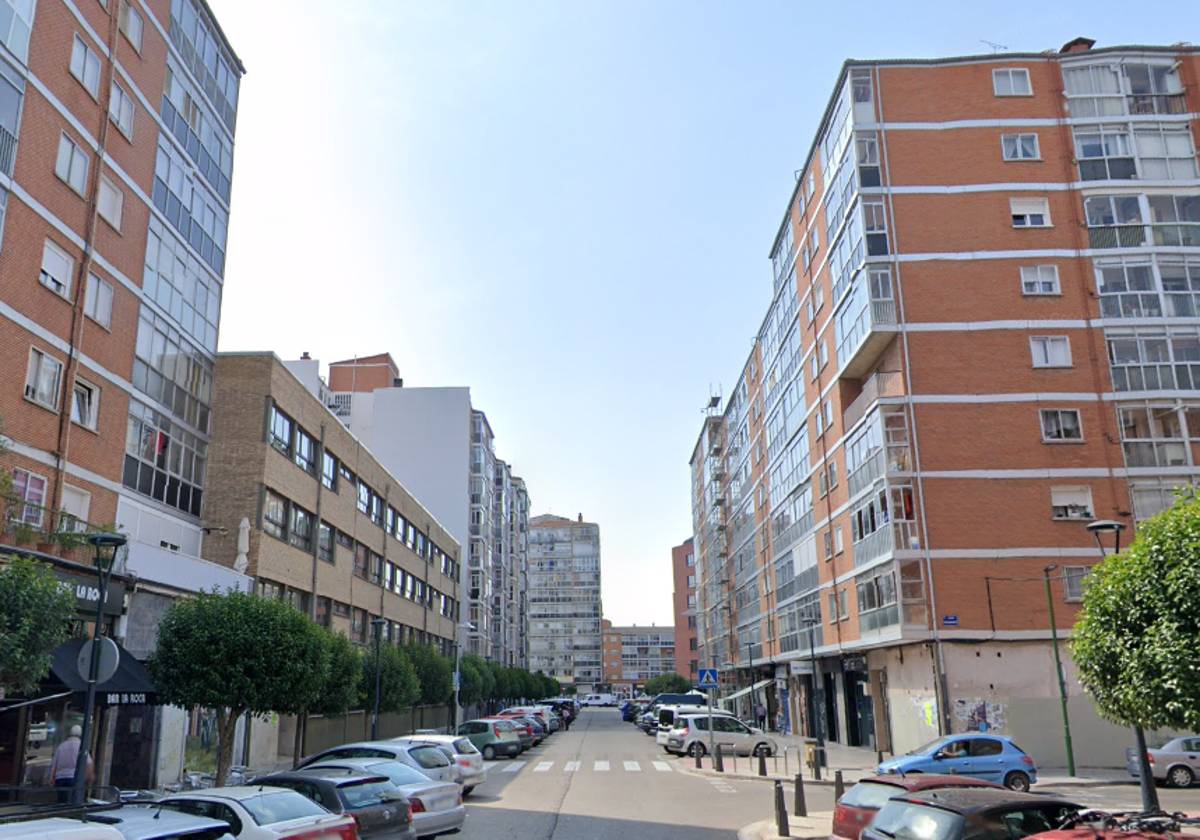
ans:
x=683 y=571
x=565 y=639
x=635 y=655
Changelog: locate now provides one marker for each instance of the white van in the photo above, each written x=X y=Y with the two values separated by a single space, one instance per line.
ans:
x=599 y=700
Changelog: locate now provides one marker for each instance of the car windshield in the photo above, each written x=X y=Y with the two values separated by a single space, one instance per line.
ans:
x=462 y=746
x=397 y=773
x=869 y=795
x=909 y=821
x=271 y=808
x=429 y=757
x=368 y=793
x=930 y=748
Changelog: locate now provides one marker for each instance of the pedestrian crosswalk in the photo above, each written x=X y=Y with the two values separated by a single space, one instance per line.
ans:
x=598 y=766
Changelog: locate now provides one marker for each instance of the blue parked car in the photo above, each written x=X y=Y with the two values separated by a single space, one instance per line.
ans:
x=991 y=757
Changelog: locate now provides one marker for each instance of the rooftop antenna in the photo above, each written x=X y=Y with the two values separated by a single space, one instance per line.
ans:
x=995 y=47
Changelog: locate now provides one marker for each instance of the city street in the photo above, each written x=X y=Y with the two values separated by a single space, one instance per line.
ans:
x=606 y=780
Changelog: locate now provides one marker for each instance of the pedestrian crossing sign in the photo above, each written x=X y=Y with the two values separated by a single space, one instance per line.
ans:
x=708 y=678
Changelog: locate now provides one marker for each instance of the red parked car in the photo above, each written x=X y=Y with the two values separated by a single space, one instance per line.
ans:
x=858 y=805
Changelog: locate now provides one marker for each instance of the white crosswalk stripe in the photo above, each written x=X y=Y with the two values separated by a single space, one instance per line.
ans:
x=662 y=766
x=600 y=766
x=633 y=767
x=514 y=767
x=543 y=767
x=572 y=767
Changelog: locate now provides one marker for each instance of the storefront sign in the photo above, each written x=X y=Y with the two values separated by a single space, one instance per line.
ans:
x=854 y=662
x=124 y=699
x=87 y=593
x=800 y=667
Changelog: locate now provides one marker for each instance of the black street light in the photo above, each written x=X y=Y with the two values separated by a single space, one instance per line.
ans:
x=106 y=547
x=1058 y=674
x=1145 y=775
x=377 y=624
x=753 y=701
x=817 y=697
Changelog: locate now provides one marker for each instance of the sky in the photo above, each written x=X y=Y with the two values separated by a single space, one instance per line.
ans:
x=566 y=206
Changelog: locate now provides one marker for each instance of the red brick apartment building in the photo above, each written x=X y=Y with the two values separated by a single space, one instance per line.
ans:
x=984 y=335
x=117 y=123
x=683 y=571
x=635 y=655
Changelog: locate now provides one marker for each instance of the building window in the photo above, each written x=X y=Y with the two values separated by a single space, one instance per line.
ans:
x=1060 y=425
x=1074 y=582
x=275 y=515
x=120 y=109
x=833 y=475
x=843 y=604
x=1071 y=503
x=875 y=224
x=329 y=471
x=280 y=433
x=833 y=605
x=364 y=497
x=1050 y=351
x=1039 y=280
x=301 y=531
x=131 y=25
x=1104 y=153
x=839 y=542
x=72 y=164
x=57 y=269
x=1020 y=147
x=85 y=66
x=323 y=609
x=325 y=542
x=828 y=537
x=306 y=452
x=1012 y=81
x=85 y=407
x=1029 y=212
x=30 y=489
x=42 y=379
x=823 y=353
x=360 y=560
x=98 y=300
x=110 y=202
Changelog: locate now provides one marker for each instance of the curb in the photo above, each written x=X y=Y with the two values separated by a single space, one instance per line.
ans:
x=850 y=780
x=801 y=828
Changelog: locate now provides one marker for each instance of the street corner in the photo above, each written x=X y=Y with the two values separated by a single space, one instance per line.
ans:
x=814 y=827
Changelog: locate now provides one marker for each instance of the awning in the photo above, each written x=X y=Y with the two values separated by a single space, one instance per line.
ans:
x=129 y=686
x=745 y=691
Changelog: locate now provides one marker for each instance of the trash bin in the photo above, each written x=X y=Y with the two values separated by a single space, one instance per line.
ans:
x=814 y=754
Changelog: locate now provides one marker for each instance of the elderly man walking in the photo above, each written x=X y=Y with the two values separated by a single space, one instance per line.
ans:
x=62 y=768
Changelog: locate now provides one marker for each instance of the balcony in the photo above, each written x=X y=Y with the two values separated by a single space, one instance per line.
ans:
x=871 y=331
x=1179 y=234
x=884 y=383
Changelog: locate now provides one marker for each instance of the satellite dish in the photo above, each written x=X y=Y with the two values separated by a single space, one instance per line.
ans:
x=110 y=657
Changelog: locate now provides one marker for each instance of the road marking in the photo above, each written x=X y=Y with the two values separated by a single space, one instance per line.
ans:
x=572 y=767
x=543 y=767
x=600 y=766
x=633 y=767
x=662 y=766
x=514 y=767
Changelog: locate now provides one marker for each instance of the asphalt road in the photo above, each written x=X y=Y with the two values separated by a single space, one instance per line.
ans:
x=1125 y=796
x=606 y=780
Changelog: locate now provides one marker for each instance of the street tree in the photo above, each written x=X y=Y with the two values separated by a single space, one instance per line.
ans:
x=398 y=685
x=471 y=684
x=487 y=680
x=340 y=693
x=34 y=610
x=667 y=684
x=435 y=674
x=1136 y=638
x=237 y=654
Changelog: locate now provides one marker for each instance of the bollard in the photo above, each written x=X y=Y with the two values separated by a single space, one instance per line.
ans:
x=696 y=752
x=816 y=765
x=762 y=763
x=878 y=757
x=781 y=817
x=800 y=807
x=718 y=764
x=839 y=786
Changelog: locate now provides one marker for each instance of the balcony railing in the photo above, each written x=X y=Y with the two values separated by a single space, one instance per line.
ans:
x=1156 y=103
x=1177 y=234
x=885 y=383
x=8 y=149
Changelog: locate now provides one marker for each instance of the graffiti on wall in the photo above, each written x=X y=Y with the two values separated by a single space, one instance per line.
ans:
x=927 y=708
x=978 y=715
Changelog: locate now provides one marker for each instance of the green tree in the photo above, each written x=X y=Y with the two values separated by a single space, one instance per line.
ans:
x=399 y=687
x=487 y=680
x=343 y=680
x=238 y=653
x=471 y=687
x=435 y=674
x=667 y=684
x=34 y=610
x=1136 y=638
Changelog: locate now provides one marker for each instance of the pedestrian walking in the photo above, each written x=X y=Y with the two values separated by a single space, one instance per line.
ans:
x=566 y=715
x=62 y=767
x=761 y=714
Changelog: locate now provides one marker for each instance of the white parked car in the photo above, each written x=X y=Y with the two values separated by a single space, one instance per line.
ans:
x=689 y=735
x=263 y=813
x=466 y=756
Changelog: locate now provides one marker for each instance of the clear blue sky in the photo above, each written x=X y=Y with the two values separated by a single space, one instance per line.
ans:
x=565 y=205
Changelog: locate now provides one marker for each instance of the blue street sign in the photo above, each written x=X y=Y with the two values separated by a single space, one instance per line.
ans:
x=708 y=678
x=949 y=621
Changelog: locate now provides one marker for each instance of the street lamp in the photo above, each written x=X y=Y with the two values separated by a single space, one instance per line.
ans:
x=1145 y=777
x=817 y=697
x=106 y=547
x=753 y=703
x=377 y=624
x=468 y=626
x=1058 y=674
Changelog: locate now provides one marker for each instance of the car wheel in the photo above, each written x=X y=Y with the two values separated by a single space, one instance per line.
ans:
x=696 y=748
x=1016 y=780
x=762 y=749
x=489 y=753
x=1180 y=777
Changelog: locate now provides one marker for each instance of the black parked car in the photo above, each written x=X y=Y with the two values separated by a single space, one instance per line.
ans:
x=381 y=811
x=958 y=813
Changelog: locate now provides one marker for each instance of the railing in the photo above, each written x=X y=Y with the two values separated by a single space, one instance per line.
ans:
x=1156 y=103
x=865 y=475
x=1181 y=234
x=885 y=383
x=883 y=312
x=8 y=150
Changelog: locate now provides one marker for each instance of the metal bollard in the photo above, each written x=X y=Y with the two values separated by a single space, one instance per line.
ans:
x=800 y=807
x=839 y=786
x=762 y=763
x=878 y=757
x=696 y=752
x=781 y=817
x=816 y=765
x=718 y=764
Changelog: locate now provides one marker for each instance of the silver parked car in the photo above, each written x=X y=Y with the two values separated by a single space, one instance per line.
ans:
x=436 y=806
x=424 y=757
x=689 y=734
x=465 y=755
x=1176 y=763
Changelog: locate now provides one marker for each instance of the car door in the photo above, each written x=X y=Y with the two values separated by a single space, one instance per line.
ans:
x=729 y=733
x=953 y=757
x=987 y=760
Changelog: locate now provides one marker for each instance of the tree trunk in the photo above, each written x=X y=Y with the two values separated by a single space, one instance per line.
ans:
x=226 y=729
x=298 y=743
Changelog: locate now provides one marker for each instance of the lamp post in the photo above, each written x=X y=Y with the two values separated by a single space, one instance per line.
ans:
x=105 y=552
x=1058 y=674
x=1145 y=777
x=468 y=626
x=817 y=695
x=753 y=703
x=377 y=624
